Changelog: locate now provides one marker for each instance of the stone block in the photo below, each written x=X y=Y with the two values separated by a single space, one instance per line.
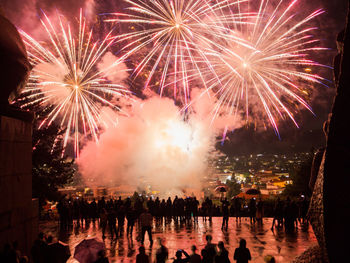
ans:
x=21 y=189
x=18 y=211
x=15 y=130
x=22 y=161
x=6 y=157
x=6 y=191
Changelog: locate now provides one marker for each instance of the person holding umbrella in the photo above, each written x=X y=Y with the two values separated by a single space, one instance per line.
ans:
x=90 y=251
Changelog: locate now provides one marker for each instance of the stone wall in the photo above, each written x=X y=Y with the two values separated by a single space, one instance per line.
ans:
x=18 y=211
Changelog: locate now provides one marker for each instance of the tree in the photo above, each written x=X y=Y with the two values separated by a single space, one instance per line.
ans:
x=300 y=176
x=233 y=187
x=50 y=170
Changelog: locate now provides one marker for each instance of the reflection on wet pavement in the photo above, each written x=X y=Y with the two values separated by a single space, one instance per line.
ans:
x=260 y=239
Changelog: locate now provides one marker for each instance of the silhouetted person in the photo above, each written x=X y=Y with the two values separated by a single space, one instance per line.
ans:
x=260 y=211
x=93 y=210
x=290 y=215
x=39 y=248
x=225 y=213
x=121 y=220
x=178 y=256
x=237 y=205
x=23 y=259
x=103 y=221
x=205 y=256
x=277 y=214
x=222 y=255
x=269 y=259
x=142 y=257
x=210 y=248
x=194 y=257
x=242 y=253
x=131 y=217
x=102 y=257
x=101 y=204
x=252 y=210
x=162 y=253
x=146 y=221
x=111 y=217
x=303 y=207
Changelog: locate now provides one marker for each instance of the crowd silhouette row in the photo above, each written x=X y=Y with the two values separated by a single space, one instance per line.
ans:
x=42 y=252
x=114 y=212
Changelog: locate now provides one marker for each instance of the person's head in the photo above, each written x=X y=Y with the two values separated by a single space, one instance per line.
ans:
x=160 y=241
x=49 y=239
x=269 y=259
x=221 y=245
x=101 y=253
x=208 y=238
x=178 y=254
x=23 y=259
x=41 y=236
x=142 y=250
x=242 y=243
x=193 y=248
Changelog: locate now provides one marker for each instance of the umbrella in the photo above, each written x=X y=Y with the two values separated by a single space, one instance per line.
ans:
x=220 y=189
x=59 y=251
x=86 y=251
x=253 y=192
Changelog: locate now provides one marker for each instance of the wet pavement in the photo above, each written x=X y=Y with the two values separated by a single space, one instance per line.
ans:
x=260 y=239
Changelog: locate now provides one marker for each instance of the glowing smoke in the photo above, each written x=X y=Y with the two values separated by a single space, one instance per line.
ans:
x=154 y=147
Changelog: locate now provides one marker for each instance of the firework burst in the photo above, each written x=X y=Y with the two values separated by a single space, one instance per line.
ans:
x=270 y=76
x=68 y=80
x=174 y=33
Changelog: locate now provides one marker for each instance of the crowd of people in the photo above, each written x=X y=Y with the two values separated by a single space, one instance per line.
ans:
x=112 y=215
x=43 y=252
x=114 y=212
x=211 y=253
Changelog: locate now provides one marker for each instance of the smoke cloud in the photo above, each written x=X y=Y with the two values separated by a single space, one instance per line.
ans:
x=115 y=70
x=25 y=14
x=156 y=147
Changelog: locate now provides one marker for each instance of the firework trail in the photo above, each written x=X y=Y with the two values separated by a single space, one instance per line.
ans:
x=271 y=76
x=68 y=81
x=174 y=33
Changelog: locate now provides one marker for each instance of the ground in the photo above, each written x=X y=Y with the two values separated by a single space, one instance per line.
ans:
x=260 y=239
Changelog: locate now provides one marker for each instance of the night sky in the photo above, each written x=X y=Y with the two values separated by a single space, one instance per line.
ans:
x=24 y=14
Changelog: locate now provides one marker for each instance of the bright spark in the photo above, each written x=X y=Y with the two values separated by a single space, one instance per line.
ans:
x=266 y=76
x=66 y=80
x=172 y=34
